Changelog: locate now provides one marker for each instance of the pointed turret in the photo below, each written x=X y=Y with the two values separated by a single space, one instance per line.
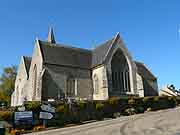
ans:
x=51 y=38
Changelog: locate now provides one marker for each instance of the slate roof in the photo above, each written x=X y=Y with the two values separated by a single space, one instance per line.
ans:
x=59 y=54
x=144 y=71
x=65 y=55
x=99 y=53
x=27 y=61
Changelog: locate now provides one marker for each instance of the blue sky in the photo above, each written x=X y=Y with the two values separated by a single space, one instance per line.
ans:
x=149 y=29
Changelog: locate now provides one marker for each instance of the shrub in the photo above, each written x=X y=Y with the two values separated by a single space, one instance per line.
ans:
x=82 y=104
x=6 y=115
x=147 y=102
x=178 y=100
x=61 y=112
x=61 y=109
x=140 y=109
x=99 y=106
x=166 y=102
x=156 y=99
x=159 y=102
x=33 y=106
x=99 y=115
x=172 y=102
x=88 y=110
x=113 y=101
x=131 y=102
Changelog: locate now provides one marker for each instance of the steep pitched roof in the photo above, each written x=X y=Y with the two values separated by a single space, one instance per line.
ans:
x=99 y=53
x=144 y=71
x=27 y=62
x=59 y=54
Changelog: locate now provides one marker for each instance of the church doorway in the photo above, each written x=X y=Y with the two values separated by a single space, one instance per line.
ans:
x=120 y=74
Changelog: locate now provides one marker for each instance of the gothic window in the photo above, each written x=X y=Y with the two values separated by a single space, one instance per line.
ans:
x=96 y=84
x=120 y=73
x=34 y=82
x=70 y=86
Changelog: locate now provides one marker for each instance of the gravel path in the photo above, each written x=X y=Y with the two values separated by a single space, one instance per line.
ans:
x=164 y=122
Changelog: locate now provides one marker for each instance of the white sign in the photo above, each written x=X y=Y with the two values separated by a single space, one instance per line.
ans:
x=45 y=115
x=48 y=108
x=27 y=115
x=21 y=108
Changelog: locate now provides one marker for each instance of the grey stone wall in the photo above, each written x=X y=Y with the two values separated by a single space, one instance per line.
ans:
x=55 y=81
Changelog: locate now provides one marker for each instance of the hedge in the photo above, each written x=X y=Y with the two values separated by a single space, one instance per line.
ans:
x=90 y=110
x=6 y=116
x=80 y=111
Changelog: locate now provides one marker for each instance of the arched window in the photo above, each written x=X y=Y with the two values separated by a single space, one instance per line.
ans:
x=120 y=73
x=96 y=84
x=34 y=81
x=70 y=86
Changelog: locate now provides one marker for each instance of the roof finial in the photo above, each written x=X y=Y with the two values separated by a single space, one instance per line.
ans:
x=51 y=38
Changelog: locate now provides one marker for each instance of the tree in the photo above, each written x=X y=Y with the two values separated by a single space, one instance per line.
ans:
x=7 y=82
x=3 y=97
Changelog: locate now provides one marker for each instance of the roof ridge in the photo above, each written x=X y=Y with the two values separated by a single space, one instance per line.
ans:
x=139 y=62
x=67 y=46
x=103 y=43
x=65 y=55
x=146 y=68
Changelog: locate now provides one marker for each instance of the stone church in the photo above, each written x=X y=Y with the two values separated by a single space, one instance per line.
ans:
x=57 y=71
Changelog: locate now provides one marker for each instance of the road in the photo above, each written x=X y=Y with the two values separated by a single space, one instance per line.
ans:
x=164 y=122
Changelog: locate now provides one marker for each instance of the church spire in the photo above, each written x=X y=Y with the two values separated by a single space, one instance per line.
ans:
x=51 y=38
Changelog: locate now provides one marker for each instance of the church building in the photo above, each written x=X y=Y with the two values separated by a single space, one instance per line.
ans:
x=57 y=71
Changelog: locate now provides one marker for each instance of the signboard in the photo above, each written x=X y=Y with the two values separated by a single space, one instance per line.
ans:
x=23 y=117
x=48 y=108
x=45 y=115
